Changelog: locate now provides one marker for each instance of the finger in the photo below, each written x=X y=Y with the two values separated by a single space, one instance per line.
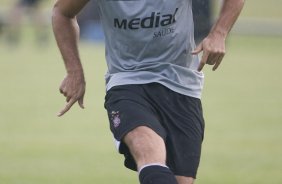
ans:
x=68 y=99
x=203 y=61
x=62 y=88
x=218 y=62
x=67 y=107
x=212 y=59
x=62 y=91
x=80 y=102
x=198 y=49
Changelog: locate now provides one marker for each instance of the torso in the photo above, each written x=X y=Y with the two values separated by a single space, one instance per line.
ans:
x=151 y=41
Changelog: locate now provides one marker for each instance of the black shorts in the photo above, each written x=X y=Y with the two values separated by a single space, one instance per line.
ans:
x=177 y=118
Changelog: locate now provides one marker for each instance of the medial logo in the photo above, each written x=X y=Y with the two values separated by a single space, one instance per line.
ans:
x=157 y=19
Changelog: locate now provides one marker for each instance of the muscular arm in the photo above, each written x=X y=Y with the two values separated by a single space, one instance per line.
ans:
x=66 y=32
x=213 y=46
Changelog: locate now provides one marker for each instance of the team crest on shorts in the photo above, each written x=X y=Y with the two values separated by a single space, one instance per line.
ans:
x=115 y=117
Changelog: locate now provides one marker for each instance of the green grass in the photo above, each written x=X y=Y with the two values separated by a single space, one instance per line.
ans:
x=253 y=8
x=35 y=145
x=242 y=102
x=259 y=9
x=242 y=105
x=262 y=9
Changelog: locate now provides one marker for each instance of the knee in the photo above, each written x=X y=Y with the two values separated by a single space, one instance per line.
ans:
x=146 y=146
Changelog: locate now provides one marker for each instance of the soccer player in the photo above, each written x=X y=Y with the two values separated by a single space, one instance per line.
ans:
x=154 y=79
x=15 y=18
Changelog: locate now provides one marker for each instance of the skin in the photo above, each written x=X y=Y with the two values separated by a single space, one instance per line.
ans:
x=66 y=32
x=145 y=145
x=213 y=46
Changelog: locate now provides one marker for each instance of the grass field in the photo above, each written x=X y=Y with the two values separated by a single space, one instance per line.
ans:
x=242 y=104
x=261 y=9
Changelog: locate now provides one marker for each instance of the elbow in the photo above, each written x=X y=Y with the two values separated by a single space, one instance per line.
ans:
x=242 y=2
x=55 y=11
x=59 y=11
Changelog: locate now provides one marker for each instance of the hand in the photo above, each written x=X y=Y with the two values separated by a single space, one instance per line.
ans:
x=73 y=88
x=213 y=48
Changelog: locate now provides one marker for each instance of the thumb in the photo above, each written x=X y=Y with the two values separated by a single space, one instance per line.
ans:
x=80 y=102
x=198 y=49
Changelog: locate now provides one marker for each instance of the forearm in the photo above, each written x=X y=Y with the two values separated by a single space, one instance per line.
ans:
x=66 y=32
x=229 y=13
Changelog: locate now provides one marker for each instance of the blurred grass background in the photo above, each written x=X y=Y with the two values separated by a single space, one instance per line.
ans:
x=242 y=105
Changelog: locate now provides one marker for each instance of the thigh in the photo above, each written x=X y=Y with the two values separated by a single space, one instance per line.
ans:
x=186 y=130
x=146 y=146
x=182 y=118
x=128 y=109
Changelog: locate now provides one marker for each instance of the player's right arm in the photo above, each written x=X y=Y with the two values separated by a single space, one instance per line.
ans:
x=66 y=32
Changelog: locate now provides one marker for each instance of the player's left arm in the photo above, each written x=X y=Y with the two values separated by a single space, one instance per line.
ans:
x=213 y=46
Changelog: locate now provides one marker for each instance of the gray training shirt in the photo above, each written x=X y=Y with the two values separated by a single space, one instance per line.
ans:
x=151 y=41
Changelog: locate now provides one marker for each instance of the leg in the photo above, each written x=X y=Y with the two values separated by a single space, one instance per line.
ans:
x=40 y=24
x=143 y=147
x=186 y=130
x=14 y=24
x=148 y=150
x=146 y=146
x=184 y=180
